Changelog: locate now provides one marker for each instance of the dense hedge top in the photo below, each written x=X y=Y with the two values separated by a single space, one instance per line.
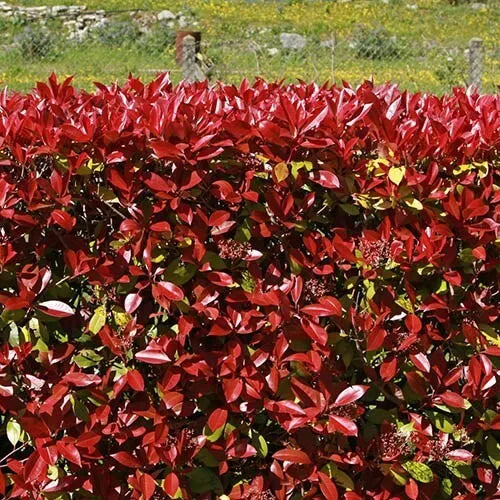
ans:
x=257 y=292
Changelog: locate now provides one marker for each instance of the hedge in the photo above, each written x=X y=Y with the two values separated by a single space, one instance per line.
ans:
x=254 y=292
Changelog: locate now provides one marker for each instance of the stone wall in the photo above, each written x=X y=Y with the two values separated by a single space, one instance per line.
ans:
x=80 y=21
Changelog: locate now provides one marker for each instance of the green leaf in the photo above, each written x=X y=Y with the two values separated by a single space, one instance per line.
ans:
x=215 y=435
x=493 y=450
x=178 y=272
x=349 y=209
x=446 y=487
x=462 y=470
x=260 y=444
x=442 y=422
x=247 y=283
x=203 y=480
x=281 y=171
x=295 y=267
x=341 y=478
x=13 y=432
x=419 y=471
x=414 y=203
x=396 y=174
x=206 y=458
x=87 y=358
x=98 y=320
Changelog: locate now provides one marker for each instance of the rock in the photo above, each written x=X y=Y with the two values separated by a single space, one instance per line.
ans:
x=59 y=9
x=478 y=6
x=165 y=15
x=273 y=51
x=327 y=44
x=412 y=6
x=292 y=41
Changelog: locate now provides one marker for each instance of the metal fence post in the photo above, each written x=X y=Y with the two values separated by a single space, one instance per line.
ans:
x=191 y=70
x=475 y=62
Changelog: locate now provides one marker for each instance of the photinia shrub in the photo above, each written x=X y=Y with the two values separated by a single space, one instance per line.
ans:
x=251 y=292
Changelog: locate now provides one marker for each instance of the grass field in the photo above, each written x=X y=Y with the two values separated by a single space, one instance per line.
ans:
x=237 y=35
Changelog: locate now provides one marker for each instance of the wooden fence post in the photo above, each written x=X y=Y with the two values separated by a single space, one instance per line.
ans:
x=191 y=69
x=475 y=62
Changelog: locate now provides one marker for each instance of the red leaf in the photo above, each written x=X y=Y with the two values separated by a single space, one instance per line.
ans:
x=417 y=383
x=56 y=308
x=127 y=459
x=169 y=290
x=69 y=452
x=218 y=217
x=328 y=306
x=294 y=456
x=135 y=380
x=327 y=487
x=81 y=379
x=388 y=369
x=326 y=179
x=217 y=419
x=220 y=279
x=148 y=486
x=314 y=331
x=413 y=323
x=453 y=278
x=63 y=219
x=411 y=489
x=350 y=395
x=342 y=425
x=375 y=339
x=452 y=399
x=132 y=302
x=171 y=484
x=232 y=389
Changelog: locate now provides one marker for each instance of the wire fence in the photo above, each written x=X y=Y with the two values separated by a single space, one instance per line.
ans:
x=108 y=45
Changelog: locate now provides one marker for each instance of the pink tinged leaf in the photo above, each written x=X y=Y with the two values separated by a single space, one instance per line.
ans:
x=294 y=456
x=56 y=308
x=81 y=379
x=421 y=362
x=170 y=291
x=326 y=179
x=350 y=395
x=152 y=356
x=132 y=302
x=241 y=450
x=460 y=455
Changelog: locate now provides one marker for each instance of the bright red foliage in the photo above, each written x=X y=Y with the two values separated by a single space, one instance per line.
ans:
x=261 y=292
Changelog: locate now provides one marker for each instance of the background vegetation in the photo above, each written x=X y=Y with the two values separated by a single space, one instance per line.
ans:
x=419 y=44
